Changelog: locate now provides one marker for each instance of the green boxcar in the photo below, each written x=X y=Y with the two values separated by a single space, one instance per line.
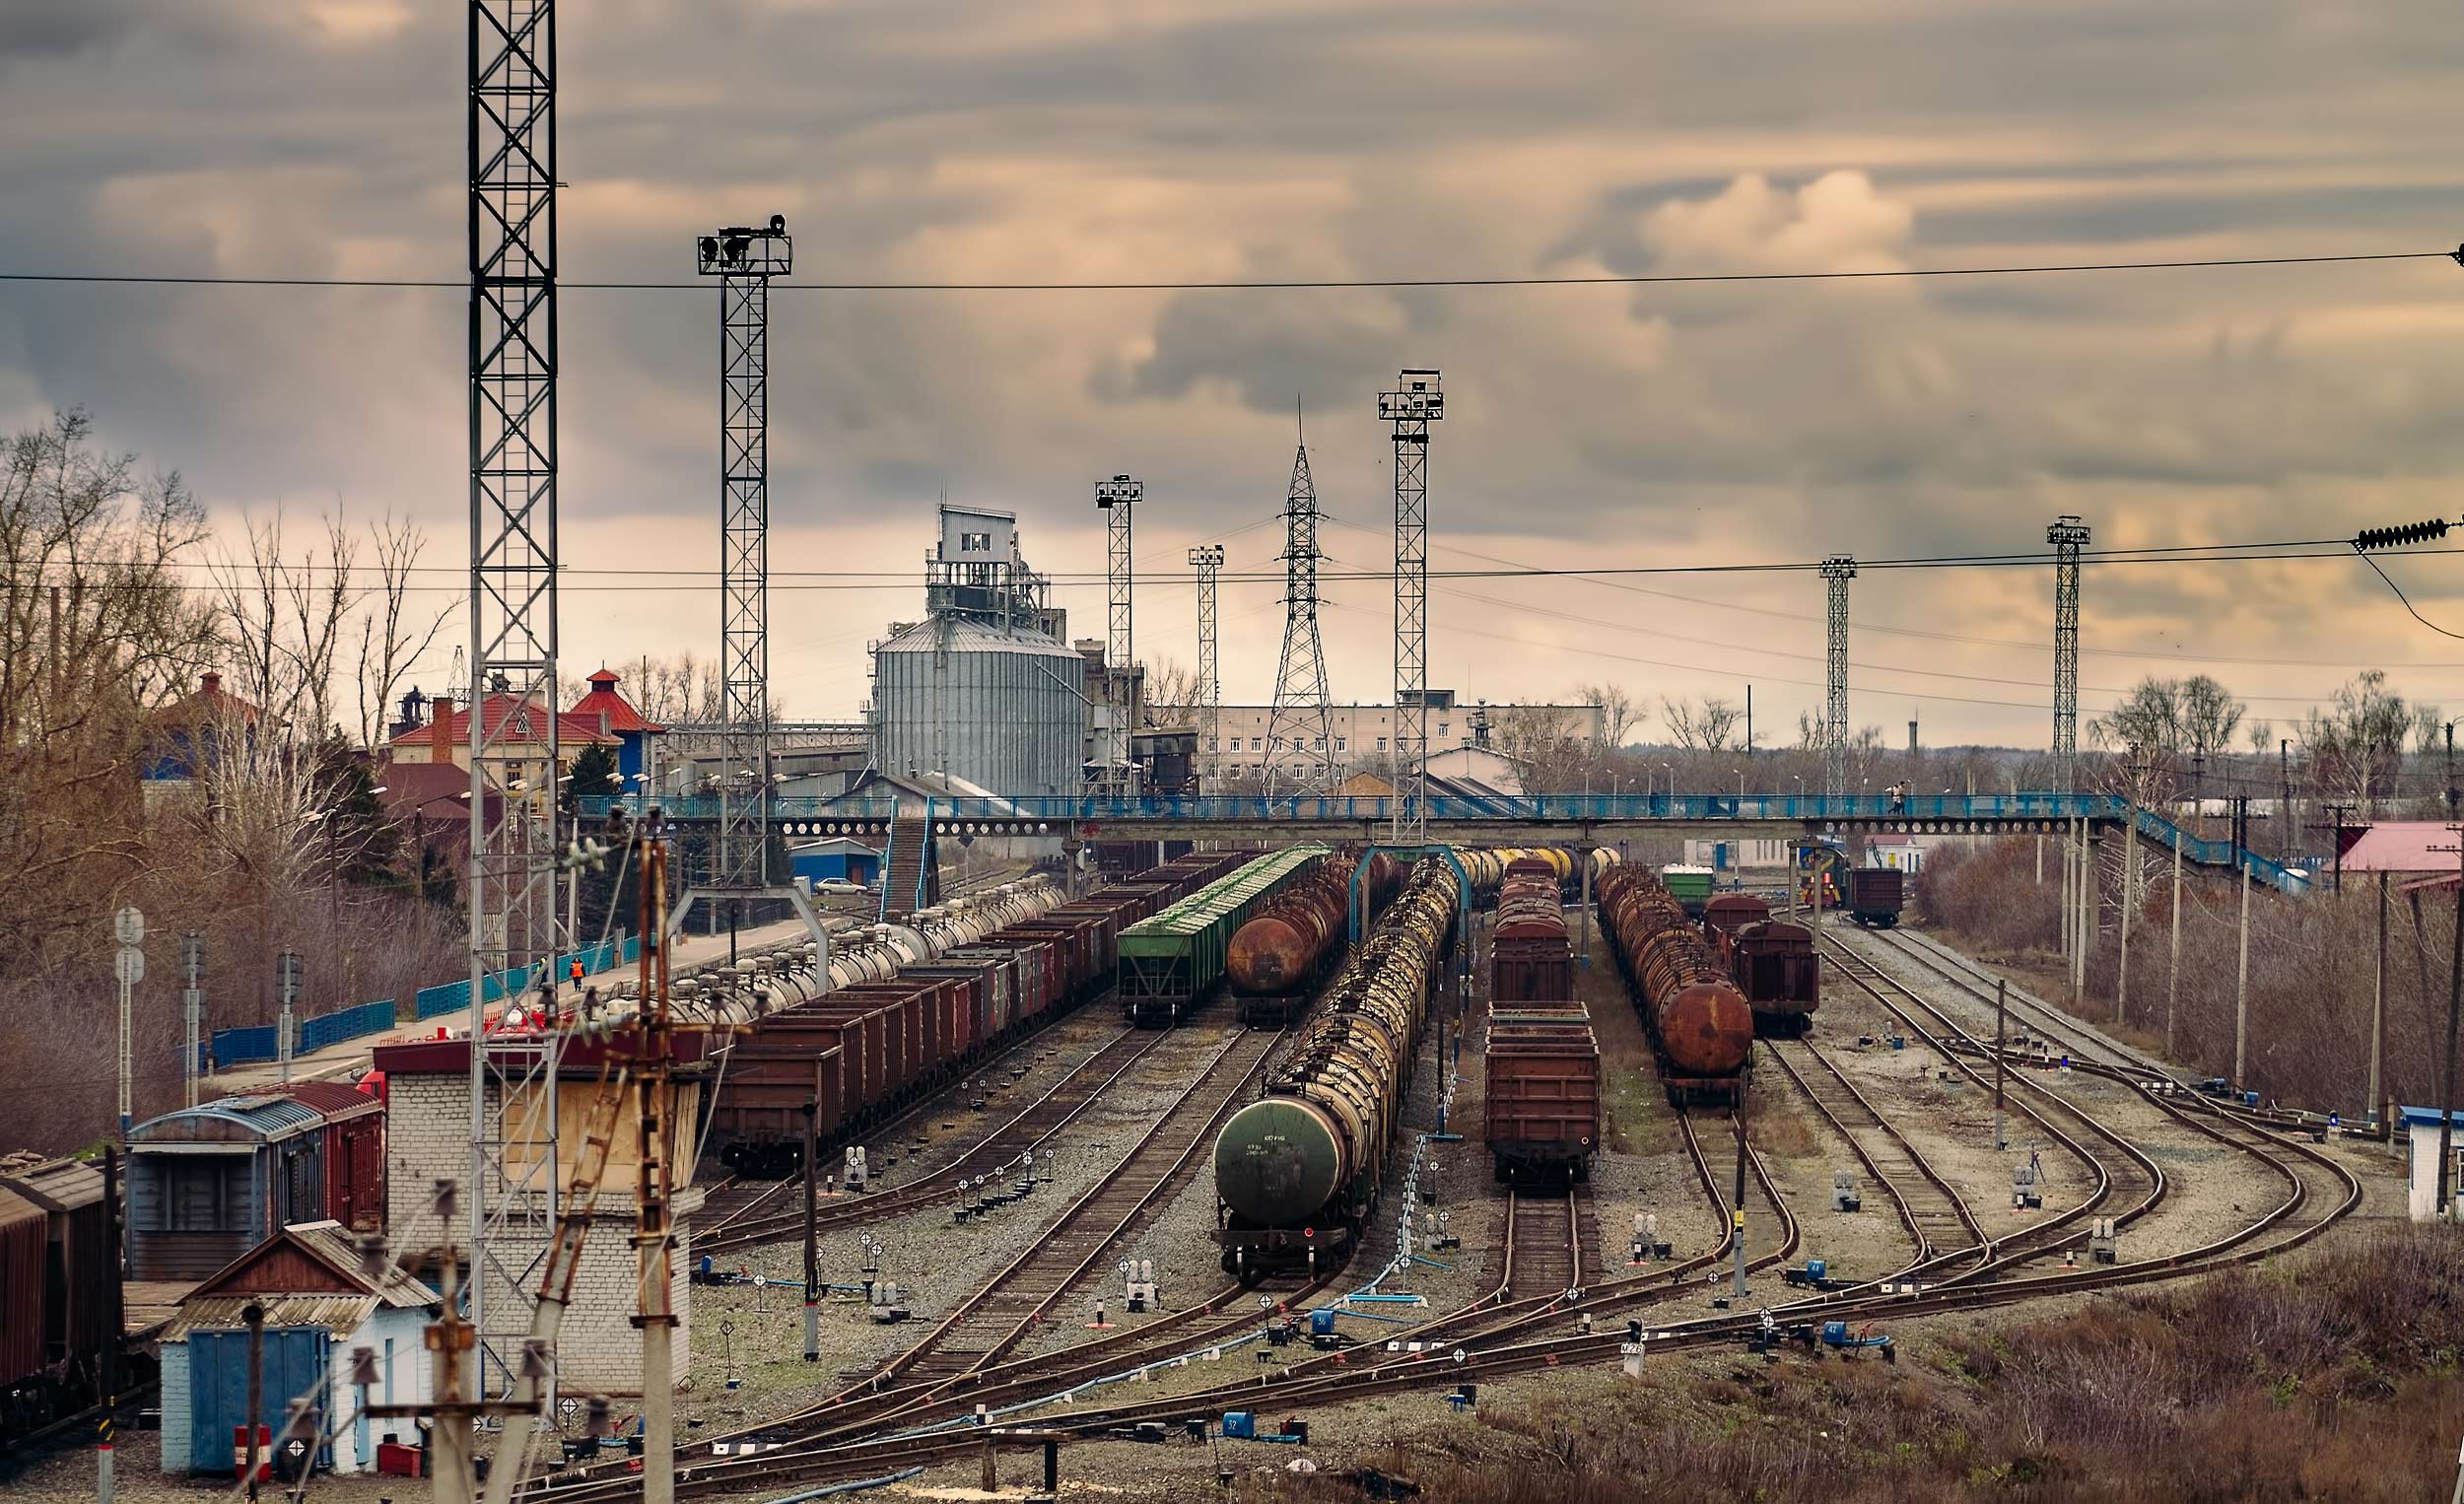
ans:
x=1691 y=887
x=1171 y=960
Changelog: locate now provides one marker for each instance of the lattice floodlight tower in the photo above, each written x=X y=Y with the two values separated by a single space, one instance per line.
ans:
x=1299 y=715
x=1837 y=571
x=1116 y=499
x=516 y=921
x=744 y=257
x=1208 y=559
x=1417 y=401
x=2068 y=535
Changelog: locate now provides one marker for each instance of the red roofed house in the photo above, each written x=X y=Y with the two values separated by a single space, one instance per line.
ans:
x=517 y=730
x=617 y=717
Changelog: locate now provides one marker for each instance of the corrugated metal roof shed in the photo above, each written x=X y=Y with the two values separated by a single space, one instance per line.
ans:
x=339 y=1314
x=54 y=1184
x=234 y=1120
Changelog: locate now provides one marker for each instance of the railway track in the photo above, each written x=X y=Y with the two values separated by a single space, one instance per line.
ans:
x=1001 y=1315
x=1028 y=1131
x=1543 y=1246
x=1512 y=1334
x=1936 y=1215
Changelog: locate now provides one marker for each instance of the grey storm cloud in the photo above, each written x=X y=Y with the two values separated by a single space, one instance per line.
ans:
x=1079 y=140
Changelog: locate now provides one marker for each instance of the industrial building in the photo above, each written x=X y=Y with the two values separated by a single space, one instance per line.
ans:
x=1362 y=735
x=982 y=689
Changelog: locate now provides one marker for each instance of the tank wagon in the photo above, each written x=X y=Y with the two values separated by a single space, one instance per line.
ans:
x=59 y=1294
x=1698 y=1021
x=1172 y=961
x=906 y=1009
x=1530 y=959
x=1773 y=962
x=1540 y=1109
x=1297 y=1171
x=1296 y=936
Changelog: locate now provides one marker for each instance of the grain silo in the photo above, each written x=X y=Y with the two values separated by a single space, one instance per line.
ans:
x=980 y=689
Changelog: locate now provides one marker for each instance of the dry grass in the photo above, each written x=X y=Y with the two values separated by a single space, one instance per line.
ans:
x=2314 y=963
x=2332 y=1377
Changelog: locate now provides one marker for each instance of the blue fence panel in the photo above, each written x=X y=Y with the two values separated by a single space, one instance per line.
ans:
x=444 y=997
x=349 y=1023
x=231 y=1047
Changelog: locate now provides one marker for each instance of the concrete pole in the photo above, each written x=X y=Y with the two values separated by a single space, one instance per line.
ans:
x=1583 y=855
x=659 y=1409
x=2002 y=1002
x=2066 y=898
x=254 y=1315
x=2130 y=871
x=2173 y=971
x=2379 y=1006
x=2241 y=989
x=451 y=1436
x=812 y=1223
x=192 y=1009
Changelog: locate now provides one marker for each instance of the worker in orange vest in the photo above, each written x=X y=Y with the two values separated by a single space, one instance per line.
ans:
x=572 y=970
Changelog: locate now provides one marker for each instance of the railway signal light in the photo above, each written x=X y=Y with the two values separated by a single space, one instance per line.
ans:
x=2370 y=538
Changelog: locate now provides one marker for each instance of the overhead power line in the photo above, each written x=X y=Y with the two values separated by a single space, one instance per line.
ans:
x=1284 y=285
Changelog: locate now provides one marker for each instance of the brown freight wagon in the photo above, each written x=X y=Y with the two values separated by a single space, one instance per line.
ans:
x=1541 y=1108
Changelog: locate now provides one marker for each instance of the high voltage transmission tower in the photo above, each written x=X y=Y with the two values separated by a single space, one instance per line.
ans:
x=1299 y=715
x=1837 y=571
x=516 y=921
x=1118 y=499
x=1417 y=401
x=744 y=259
x=2068 y=535
x=1209 y=560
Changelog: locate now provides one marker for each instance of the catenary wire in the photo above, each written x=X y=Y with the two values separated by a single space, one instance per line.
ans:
x=1278 y=285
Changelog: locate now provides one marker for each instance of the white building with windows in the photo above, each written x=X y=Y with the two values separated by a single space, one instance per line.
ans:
x=1362 y=736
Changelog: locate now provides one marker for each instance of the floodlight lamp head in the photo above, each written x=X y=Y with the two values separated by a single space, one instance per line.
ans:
x=1120 y=491
x=1206 y=556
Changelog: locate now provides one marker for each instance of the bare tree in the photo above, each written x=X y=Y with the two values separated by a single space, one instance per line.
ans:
x=1707 y=725
x=96 y=632
x=285 y=621
x=392 y=635
x=1618 y=713
x=2357 y=744
x=2209 y=715
x=1173 y=693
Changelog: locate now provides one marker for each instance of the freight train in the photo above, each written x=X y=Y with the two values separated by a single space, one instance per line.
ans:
x=1541 y=1102
x=1296 y=936
x=1297 y=1171
x=1699 y=1022
x=59 y=1294
x=908 y=1012
x=1771 y=961
x=1173 y=960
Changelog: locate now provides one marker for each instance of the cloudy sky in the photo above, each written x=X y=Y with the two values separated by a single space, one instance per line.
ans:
x=1080 y=140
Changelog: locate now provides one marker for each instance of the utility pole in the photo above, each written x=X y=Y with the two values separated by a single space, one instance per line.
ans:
x=2379 y=1005
x=2337 y=813
x=2284 y=774
x=192 y=1010
x=1744 y=1087
x=1208 y=561
x=515 y=922
x=744 y=258
x=128 y=967
x=1300 y=710
x=653 y=1236
x=2446 y=1076
x=813 y=1222
x=2068 y=535
x=1116 y=499
x=1837 y=571
x=2173 y=970
x=2130 y=871
x=2241 y=984
x=1418 y=400
x=2001 y=1004
x=287 y=1026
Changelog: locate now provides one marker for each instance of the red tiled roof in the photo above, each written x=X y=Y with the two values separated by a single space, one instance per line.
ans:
x=207 y=705
x=604 y=700
x=571 y=726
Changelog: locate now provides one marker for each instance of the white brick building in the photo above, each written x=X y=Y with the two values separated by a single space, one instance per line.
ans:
x=428 y=1137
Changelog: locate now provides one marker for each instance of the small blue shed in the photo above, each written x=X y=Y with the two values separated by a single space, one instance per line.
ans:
x=316 y=1305
x=839 y=860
